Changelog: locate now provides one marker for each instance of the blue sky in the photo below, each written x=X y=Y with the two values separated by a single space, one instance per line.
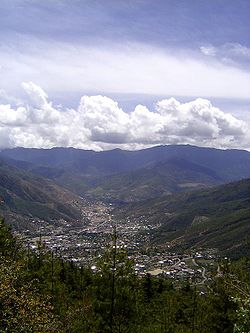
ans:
x=166 y=23
x=134 y=52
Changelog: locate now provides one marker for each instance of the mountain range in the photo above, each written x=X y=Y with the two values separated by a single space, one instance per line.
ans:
x=199 y=196
x=125 y=176
x=228 y=164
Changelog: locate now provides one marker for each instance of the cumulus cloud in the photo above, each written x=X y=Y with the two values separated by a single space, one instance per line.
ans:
x=103 y=118
x=99 y=123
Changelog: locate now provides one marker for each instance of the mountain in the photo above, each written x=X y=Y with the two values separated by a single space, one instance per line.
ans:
x=175 y=175
x=125 y=176
x=77 y=160
x=217 y=217
x=156 y=182
x=28 y=196
x=229 y=165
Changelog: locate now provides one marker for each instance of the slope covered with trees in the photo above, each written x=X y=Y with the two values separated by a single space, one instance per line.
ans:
x=218 y=217
x=175 y=175
x=42 y=293
x=28 y=196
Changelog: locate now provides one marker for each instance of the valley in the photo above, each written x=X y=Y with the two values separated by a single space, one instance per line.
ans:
x=124 y=166
x=163 y=237
x=85 y=244
x=168 y=206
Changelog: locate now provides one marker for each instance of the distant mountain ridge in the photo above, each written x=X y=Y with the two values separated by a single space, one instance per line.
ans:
x=127 y=176
x=228 y=164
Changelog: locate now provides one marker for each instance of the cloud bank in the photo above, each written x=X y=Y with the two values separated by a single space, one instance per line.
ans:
x=114 y=68
x=99 y=123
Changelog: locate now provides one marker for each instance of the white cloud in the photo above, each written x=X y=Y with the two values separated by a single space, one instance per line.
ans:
x=4 y=97
x=112 y=68
x=36 y=94
x=232 y=54
x=99 y=123
x=208 y=50
x=104 y=119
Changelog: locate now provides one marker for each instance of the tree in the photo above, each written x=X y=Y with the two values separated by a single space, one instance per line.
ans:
x=22 y=307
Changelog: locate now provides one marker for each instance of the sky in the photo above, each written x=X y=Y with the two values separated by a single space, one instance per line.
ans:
x=97 y=74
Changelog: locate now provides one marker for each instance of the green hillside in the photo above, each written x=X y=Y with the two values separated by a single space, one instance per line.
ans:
x=42 y=293
x=217 y=217
x=175 y=175
x=26 y=195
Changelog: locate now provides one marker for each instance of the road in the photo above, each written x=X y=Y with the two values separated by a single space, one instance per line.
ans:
x=203 y=272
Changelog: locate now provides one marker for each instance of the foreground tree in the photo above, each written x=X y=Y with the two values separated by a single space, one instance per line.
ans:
x=22 y=307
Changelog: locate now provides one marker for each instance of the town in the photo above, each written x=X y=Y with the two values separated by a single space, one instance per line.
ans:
x=86 y=241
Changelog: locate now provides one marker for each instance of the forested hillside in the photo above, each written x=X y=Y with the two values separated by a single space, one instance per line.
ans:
x=42 y=293
x=25 y=197
x=218 y=217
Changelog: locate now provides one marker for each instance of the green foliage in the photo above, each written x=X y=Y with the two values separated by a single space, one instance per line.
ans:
x=237 y=282
x=22 y=307
x=42 y=293
x=8 y=244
